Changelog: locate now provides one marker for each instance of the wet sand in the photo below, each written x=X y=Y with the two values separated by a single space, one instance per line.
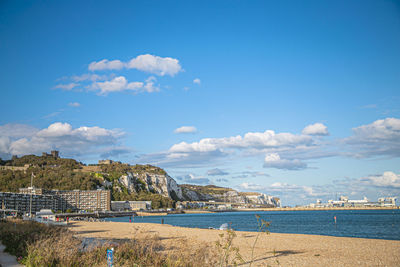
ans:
x=273 y=249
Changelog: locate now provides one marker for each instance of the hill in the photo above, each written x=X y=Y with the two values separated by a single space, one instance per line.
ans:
x=125 y=181
x=68 y=174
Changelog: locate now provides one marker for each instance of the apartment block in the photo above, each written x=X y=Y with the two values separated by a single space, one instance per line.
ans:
x=130 y=205
x=84 y=199
x=21 y=202
x=74 y=200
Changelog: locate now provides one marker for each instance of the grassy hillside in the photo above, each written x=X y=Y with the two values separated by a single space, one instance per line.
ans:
x=69 y=174
x=49 y=173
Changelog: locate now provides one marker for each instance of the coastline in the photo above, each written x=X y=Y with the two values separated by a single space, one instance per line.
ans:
x=204 y=211
x=288 y=249
x=290 y=209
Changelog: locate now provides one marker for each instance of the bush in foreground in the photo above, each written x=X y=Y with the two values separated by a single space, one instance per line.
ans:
x=36 y=244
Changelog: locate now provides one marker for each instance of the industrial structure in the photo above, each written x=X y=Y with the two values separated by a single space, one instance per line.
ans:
x=344 y=201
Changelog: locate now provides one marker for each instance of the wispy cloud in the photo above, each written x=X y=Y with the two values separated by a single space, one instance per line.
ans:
x=380 y=138
x=147 y=63
x=105 y=64
x=185 y=129
x=197 y=81
x=120 y=83
x=209 y=150
x=273 y=160
x=249 y=174
x=89 y=77
x=193 y=179
x=108 y=83
x=216 y=172
x=24 y=139
x=373 y=186
x=74 y=104
x=287 y=151
x=370 y=106
x=66 y=87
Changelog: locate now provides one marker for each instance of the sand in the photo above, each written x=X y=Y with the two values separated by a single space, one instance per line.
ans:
x=273 y=249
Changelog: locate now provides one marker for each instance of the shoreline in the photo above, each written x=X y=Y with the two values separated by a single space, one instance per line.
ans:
x=201 y=211
x=240 y=231
x=290 y=209
x=289 y=249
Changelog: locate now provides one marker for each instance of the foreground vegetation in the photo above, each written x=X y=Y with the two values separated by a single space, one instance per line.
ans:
x=36 y=244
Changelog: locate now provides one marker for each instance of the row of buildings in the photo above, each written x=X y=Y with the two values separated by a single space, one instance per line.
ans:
x=35 y=199
x=344 y=201
x=214 y=205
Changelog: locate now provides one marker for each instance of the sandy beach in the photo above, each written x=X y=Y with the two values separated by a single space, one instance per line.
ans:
x=273 y=249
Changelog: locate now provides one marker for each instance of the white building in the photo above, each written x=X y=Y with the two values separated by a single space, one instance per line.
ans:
x=45 y=215
x=130 y=205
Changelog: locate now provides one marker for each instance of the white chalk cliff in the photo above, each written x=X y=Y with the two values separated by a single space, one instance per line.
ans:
x=162 y=184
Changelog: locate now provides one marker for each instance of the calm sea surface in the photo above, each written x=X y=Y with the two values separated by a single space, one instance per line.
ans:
x=381 y=224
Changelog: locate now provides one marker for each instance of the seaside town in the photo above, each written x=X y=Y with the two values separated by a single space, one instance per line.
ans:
x=88 y=203
x=199 y=133
x=104 y=203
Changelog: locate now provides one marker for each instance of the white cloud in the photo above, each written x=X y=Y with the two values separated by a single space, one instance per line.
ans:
x=273 y=160
x=15 y=130
x=316 y=129
x=267 y=139
x=387 y=179
x=88 y=77
x=148 y=63
x=61 y=136
x=117 y=84
x=289 y=194
x=247 y=174
x=74 y=104
x=193 y=179
x=285 y=150
x=197 y=81
x=155 y=64
x=209 y=150
x=106 y=65
x=252 y=187
x=216 y=172
x=372 y=186
x=120 y=83
x=67 y=87
x=186 y=129
x=382 y=137
x=150 y=86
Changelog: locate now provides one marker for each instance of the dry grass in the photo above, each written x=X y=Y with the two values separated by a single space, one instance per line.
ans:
x=39 y=245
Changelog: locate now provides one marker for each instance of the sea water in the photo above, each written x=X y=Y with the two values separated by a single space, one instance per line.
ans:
x=380 y=224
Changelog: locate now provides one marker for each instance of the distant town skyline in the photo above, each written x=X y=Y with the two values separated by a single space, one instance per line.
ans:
x=298 y=100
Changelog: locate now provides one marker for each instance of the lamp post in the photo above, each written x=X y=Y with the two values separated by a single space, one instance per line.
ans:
x=30 y=202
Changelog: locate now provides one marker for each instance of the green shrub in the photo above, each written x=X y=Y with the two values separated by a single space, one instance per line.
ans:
x=40 y=245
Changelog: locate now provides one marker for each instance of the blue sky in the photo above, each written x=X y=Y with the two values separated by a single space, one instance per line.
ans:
x=294 y=99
